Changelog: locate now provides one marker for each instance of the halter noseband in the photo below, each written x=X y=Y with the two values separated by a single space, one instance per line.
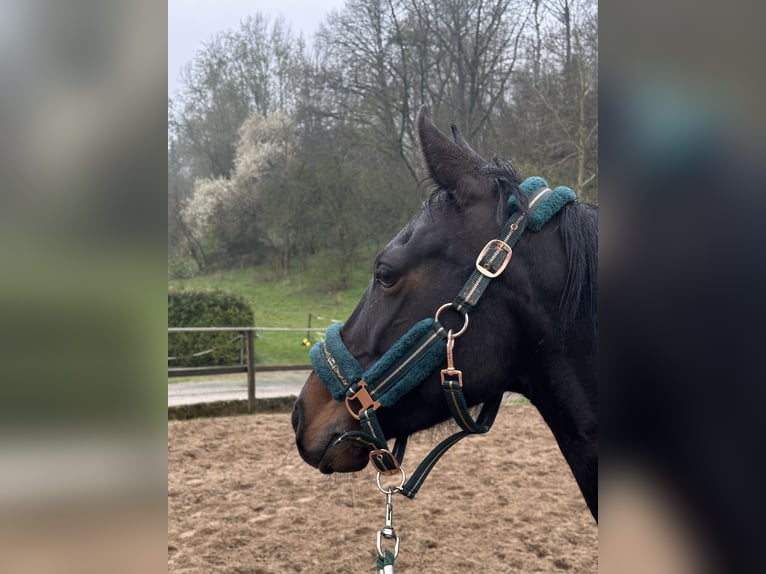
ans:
x=424 y=347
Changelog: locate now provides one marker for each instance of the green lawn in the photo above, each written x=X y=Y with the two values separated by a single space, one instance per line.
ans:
x=288 y=301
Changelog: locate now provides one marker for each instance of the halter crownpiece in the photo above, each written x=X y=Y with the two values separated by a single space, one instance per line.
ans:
x=547 y=204
x=426 y=346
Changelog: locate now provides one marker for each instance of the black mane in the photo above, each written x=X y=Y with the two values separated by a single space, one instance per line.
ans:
x=578 y=225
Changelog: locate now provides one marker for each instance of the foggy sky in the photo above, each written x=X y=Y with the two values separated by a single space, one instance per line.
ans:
x=192 y=22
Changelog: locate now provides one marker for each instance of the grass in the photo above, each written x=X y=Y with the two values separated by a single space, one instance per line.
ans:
x=313 y=287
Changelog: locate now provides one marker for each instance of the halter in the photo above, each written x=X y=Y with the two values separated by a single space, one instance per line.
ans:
x=426 y=346
x=417 y=353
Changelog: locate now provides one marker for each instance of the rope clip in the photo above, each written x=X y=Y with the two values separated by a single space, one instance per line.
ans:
x=451 y=372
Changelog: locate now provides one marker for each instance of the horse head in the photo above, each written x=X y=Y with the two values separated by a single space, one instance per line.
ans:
x=424 y=267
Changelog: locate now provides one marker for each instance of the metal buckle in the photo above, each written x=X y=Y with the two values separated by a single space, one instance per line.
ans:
x=364 y=398
x=451 y=373
x=381 y=456
x=500 y=244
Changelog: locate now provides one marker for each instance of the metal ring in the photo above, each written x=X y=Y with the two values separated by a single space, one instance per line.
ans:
x=392 y=489
x=465 y=316
x=379 y=546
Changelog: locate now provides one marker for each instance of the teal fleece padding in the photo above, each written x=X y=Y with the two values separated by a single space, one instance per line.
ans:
x=548 y=206
x=414 y=372
x=389 y=378
x=331 y=360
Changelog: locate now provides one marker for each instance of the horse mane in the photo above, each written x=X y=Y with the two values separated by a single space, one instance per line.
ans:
x=578 y=226
x=508 y=181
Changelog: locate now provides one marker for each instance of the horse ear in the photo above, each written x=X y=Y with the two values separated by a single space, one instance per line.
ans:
x=452 y=166
x=465 y=146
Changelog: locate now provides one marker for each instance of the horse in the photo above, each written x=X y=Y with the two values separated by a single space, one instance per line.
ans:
x=534 y=332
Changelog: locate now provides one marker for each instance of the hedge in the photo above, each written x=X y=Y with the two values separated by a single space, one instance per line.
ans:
x=205 y=308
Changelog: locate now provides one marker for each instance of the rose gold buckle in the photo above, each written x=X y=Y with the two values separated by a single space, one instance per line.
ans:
x=484 y=269
x=380 y=455
x=364 y=398
x=451 y=373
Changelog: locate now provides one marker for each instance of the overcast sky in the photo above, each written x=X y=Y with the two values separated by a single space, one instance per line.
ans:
x=192 y=22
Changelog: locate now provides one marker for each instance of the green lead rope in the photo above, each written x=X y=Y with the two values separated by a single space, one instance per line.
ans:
x=386 y=563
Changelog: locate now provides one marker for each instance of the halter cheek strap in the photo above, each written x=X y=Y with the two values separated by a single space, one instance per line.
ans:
x=423 y=348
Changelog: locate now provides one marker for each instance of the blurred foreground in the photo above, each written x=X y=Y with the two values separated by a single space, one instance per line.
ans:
x=83 y=290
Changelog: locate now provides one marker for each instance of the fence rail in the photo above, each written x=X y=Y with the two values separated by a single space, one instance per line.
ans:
x=249 y=366
x=246 y=329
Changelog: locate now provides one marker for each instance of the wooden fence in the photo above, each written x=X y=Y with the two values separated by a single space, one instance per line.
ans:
x=249 y=365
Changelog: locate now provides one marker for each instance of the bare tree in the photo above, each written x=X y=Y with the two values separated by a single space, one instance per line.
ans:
x=390 y=56
x=518 y=76
x=254 y=68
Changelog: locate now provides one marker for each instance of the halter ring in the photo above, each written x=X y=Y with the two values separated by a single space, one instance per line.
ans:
x=391 y=489
x=465 y=317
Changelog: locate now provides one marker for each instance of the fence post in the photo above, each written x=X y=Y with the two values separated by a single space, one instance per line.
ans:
x=308 y=329
x=250 y=370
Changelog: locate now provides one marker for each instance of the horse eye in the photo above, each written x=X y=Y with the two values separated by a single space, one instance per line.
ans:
x=385 y=277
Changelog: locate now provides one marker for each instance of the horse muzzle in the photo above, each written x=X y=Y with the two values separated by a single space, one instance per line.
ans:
x=319 y=421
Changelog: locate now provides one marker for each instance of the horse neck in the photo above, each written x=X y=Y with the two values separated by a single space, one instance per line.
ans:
x=563 y=388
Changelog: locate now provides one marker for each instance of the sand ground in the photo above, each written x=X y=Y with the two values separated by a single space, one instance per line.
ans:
x=240 y=500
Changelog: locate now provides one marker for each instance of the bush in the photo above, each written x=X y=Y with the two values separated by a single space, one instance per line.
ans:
x=198 y=308
x=182 y=267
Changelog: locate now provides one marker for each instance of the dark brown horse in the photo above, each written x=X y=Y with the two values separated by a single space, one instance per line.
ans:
x=534 y=331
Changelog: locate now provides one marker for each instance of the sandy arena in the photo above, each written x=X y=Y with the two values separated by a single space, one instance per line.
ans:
x=241 y=500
